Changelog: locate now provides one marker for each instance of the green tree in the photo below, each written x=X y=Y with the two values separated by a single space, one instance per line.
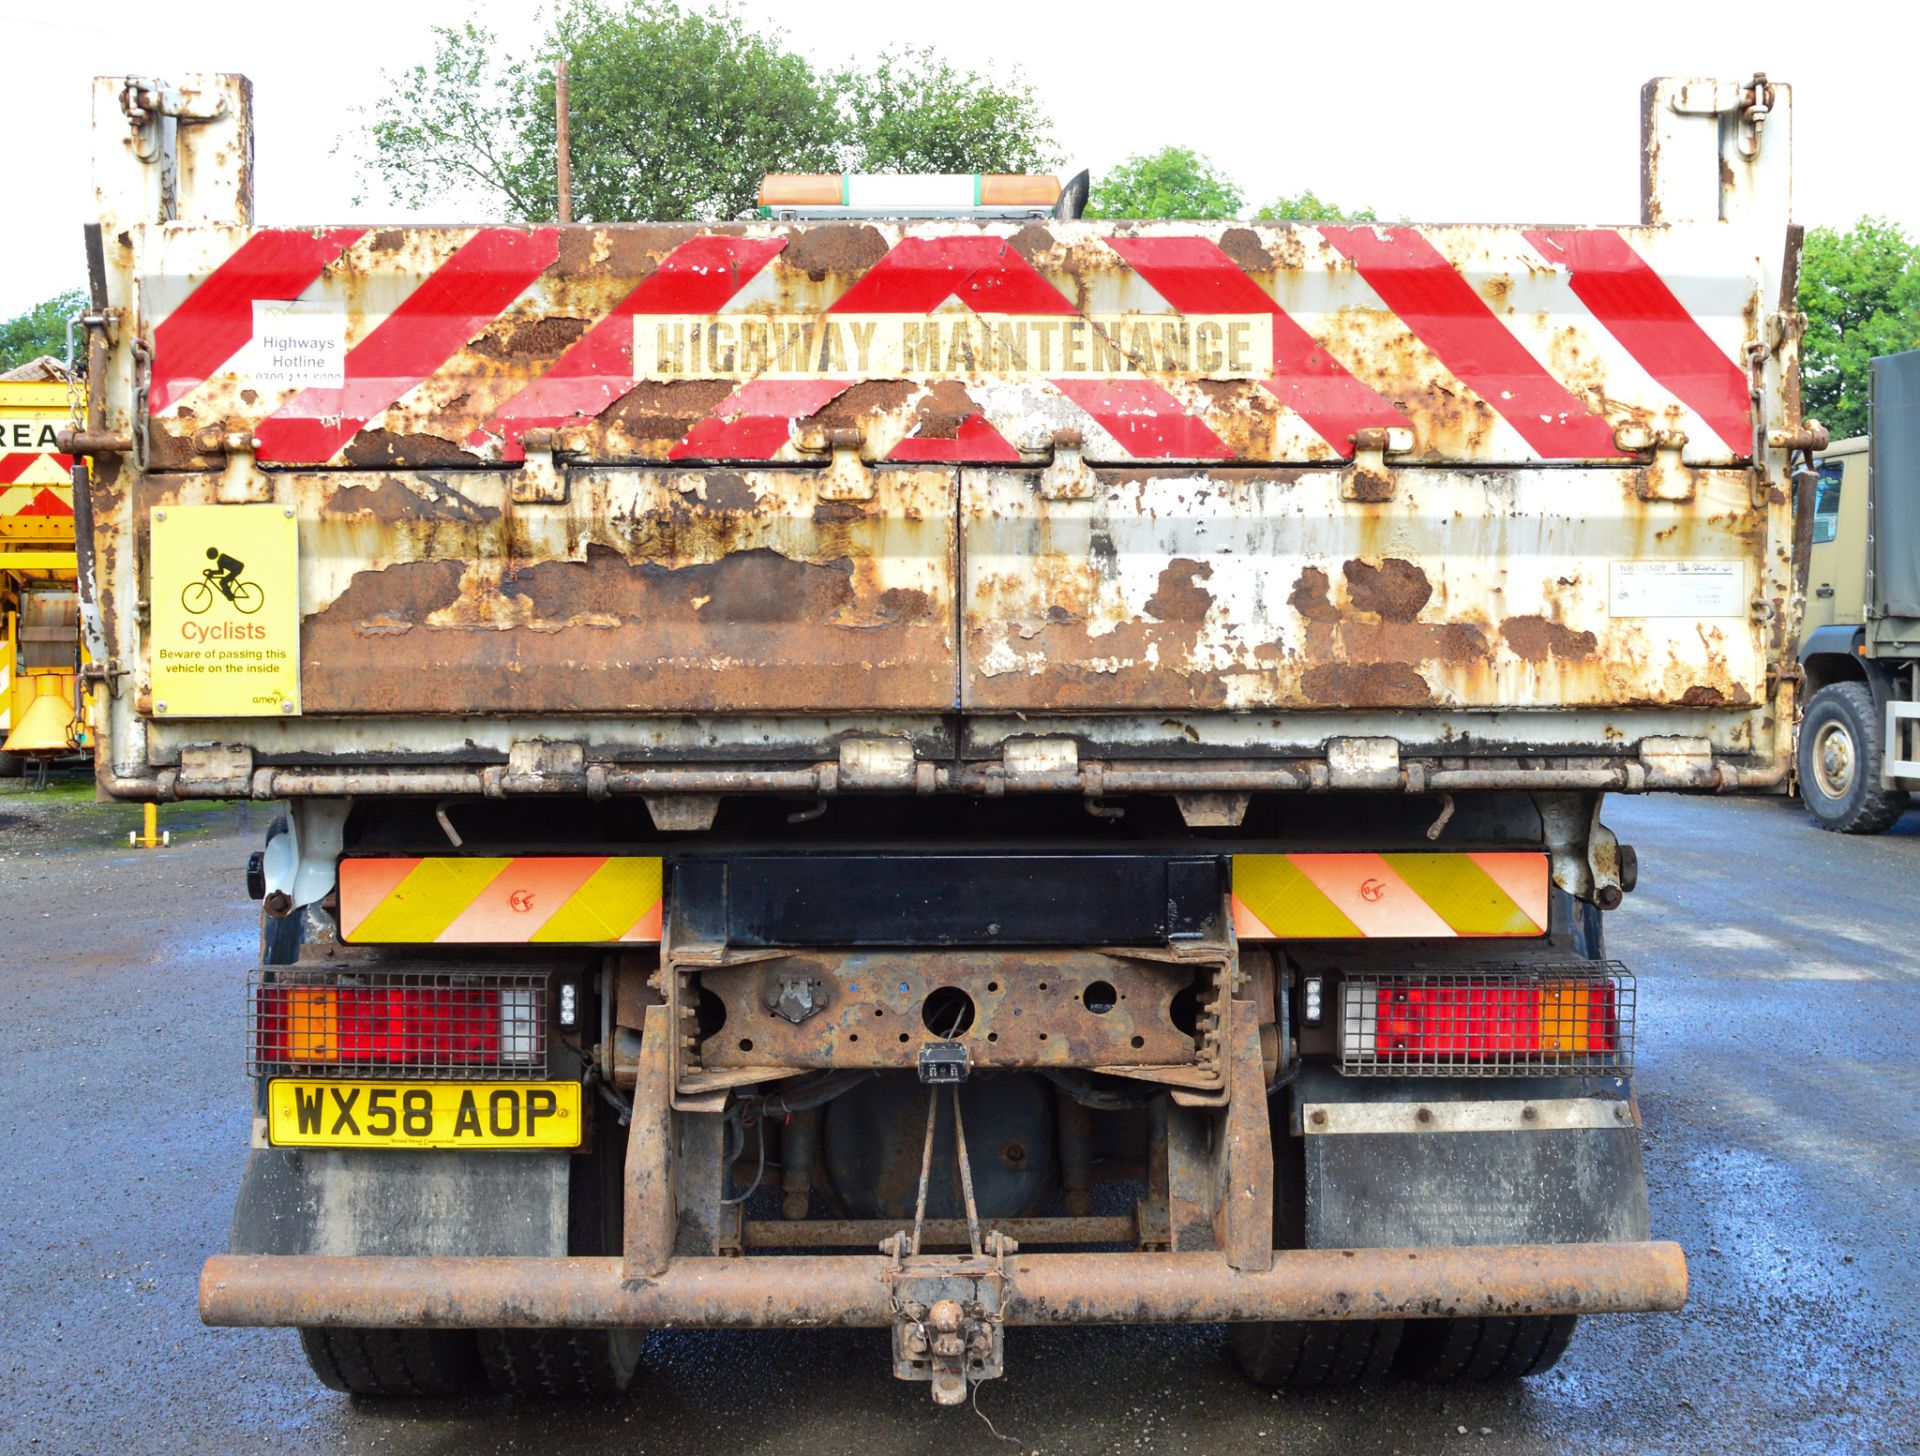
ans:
x=913 y=112
x=1860 y=291
x=675 y=113
x=1172 y=182
x=42 y=329
x=1309 y=207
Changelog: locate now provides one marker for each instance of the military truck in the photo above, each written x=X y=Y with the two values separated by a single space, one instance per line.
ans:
x=1859 y=755
x=919 y=762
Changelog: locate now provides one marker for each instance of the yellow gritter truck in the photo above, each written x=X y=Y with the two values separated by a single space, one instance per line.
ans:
x=41 y=704
x=925 y=763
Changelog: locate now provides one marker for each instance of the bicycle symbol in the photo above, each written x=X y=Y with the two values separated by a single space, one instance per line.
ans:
x=223 y=578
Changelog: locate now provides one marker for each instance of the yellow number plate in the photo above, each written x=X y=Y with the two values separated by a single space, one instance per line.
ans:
x=316 y=1113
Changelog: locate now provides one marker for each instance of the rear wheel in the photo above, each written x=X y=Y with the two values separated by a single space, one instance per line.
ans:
x=1306 y=1354
x=558 y=1364
x=1483 y=1349
x=12 y=765
x=1839 y=763
x=394 y=1362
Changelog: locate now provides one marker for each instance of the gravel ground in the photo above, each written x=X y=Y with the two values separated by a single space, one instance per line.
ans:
x=1780 y=982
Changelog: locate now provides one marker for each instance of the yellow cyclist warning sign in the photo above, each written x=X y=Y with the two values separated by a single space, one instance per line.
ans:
x=226 y=623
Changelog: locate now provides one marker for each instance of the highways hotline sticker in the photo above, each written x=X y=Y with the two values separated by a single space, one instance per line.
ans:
x=226 y=624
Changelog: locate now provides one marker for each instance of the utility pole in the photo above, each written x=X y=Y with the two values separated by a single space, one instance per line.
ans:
x=566 y=141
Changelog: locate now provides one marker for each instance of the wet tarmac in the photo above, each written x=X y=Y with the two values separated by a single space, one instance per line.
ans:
x=1779 y=1020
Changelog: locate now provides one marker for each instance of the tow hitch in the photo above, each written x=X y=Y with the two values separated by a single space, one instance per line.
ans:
x=948 y=1325
x=947 y=1312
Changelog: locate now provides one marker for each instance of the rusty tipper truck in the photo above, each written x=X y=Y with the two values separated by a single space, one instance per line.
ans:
x=918 y=762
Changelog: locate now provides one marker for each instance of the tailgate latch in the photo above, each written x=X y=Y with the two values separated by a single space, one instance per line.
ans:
x=1666 y=477
x=846 y=477
x=1370 y=479
x=1067 y=476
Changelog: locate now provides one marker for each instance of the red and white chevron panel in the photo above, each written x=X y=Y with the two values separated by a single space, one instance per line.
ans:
x=1161 y=342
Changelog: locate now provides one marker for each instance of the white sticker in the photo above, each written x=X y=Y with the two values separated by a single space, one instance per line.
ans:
x=298 y=346
x=1677 y=589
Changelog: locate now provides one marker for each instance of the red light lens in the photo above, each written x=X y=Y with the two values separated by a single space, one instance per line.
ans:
x=1491 y=1020
x=408 y=1026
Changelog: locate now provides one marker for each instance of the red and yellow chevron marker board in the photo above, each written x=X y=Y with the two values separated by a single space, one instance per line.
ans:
x=1389 y=896
x=521 y=900
x=35 y=478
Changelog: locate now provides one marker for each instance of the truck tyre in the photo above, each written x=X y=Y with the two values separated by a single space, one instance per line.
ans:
x=12 y=765
x=1839 y=763
x=1451 y=1350
x=575 y=1364
x=1306 y=1354
x=373 y=1363
x=561 y=1364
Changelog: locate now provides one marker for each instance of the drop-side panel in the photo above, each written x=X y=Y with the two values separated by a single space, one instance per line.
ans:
x=1526 y=589
x=443 y=347
x=645 y=591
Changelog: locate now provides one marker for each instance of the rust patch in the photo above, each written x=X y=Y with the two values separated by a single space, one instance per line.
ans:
x=1396 y=589
x=866 y=400
x=904 y=604
x=657 y=412
x=1309 y=596
x=837 y=513
x=727 y=490
x=1180 y=597
x=753 y=630
x=1032 y=240
x=1704 y=695
x=941 y=409
x=1243 y=245
x=375 y=448
x=1452 y=643
x=1366 y=685
x=834 y=248
x=749 y=586
x=1538 y=638
x=535 y=339
x=396 y=502
x=377 y=603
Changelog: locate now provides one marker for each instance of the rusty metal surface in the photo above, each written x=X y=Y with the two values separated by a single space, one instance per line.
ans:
x=1029 y=1009
x=839 y=1291
x=1051 y=312
x=1190 y=489
x=1225 y=590
x=697 y=591
x=936 y=1233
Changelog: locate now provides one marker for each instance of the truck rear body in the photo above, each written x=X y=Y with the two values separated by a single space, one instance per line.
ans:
x=752 y=695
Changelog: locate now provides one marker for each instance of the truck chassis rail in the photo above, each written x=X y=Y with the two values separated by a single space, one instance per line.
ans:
x=855 y=1291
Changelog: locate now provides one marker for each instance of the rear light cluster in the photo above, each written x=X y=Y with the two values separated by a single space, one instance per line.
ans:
x=1500 y=1022
x=425 y=1024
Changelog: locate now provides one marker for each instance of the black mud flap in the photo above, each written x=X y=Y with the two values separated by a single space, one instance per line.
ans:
x=303 y=1201
x=1439 y=1182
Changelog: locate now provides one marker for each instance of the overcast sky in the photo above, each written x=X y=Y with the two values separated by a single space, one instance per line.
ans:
x=1437 y=111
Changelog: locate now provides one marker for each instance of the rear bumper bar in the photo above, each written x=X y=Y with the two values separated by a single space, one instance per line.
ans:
x=855 y=1290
